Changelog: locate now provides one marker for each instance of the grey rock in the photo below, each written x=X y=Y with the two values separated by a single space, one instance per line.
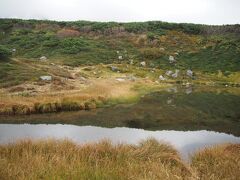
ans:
x=189 y=73
x=175 y=75
x=171 y=59
x=162 y=78
x=114 y=68
x=43 y=58
x=120 y=57
x=46 y=78
x=168 y=73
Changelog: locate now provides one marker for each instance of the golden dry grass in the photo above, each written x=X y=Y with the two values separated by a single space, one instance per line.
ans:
x=99 y=92
x=65 y=160
x=219 y=162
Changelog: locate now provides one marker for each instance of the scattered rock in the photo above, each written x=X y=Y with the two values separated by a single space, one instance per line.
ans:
x=43 y=58
x=168 y=73
x=176 y=53
x=162 y=78
x=46 y=78
x=161 y=49
x=14 y=50
x=118 y=52
x=114 y=68
x=143 y=63
x=131 y=62
x=171 y=59
x=189 y=73
x=175 y=75
x=120 y=79
x=120 y=57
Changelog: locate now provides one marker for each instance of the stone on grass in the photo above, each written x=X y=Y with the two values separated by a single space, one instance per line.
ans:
x=46 y=78
x=189 y=73
x=175 y=75
x=120 y=57
x=120 y=79
x=43 y=58
x=114 y=68
x=168 y=73
x=162 y=78
x=143 y=63
x=171 y=59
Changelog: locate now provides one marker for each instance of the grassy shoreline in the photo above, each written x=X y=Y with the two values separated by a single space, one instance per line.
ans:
x=62 y=159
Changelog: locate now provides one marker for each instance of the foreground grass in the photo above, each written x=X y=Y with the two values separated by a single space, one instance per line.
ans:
x=65 y=160
x=220 y=162
x=54 y=159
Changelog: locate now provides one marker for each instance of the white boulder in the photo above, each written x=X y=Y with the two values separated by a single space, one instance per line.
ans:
x=120 y=57
x=43 y=58
x=162 y=78
x=143 y=63
x=46 y=78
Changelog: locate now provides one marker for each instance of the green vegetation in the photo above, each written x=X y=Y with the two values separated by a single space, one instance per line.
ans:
x=4 y=52
x=200 y=47
x=54 y=159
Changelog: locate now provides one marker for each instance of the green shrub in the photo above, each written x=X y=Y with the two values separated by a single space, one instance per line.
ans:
x=4 y=52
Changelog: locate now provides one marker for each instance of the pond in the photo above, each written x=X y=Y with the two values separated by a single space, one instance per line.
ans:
x=187 y=117
x=186 y=142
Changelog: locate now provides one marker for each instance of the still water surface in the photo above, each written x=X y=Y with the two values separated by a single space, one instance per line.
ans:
x=186 y=142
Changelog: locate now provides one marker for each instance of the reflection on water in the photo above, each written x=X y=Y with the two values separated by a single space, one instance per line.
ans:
x=185 y=142
x=177 y=108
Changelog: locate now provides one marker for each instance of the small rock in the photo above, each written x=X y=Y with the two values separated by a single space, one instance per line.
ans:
x=120 y=79
x=168 y=73
x=189 y=73
x=120 y=57
x=143 y=63
x=46 y=78
x=114 y=68
x=118 y=52
x=14 y=50
x=176 y=53
x=175 y=75
x=171 y=59
x=131 y=62
x=161 y=49
x=162 y=78
x=43 y=58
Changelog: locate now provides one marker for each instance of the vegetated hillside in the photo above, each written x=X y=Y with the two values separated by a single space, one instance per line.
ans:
x=201 y=47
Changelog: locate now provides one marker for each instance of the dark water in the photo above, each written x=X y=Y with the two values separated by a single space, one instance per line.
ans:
x=187 y=117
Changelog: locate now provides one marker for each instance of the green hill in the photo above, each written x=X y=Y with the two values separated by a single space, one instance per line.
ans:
x=208 y=49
